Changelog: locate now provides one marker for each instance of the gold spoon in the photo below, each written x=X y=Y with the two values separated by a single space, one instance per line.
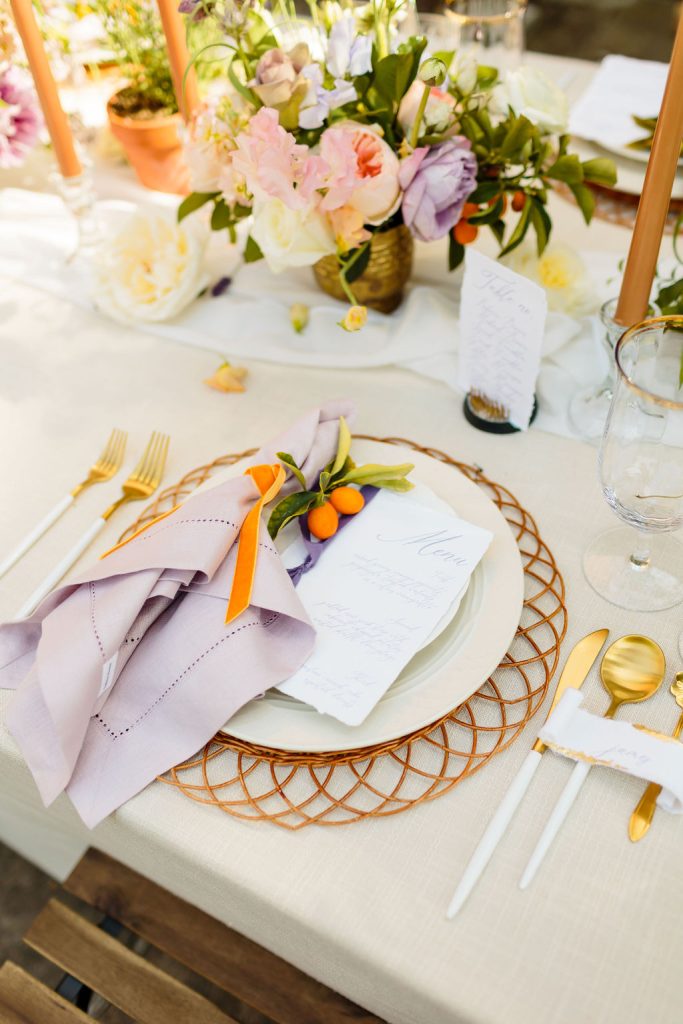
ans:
x=642 y=816
x=632 y=670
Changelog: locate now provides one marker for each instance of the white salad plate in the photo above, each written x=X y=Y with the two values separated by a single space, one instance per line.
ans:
x=468 y=644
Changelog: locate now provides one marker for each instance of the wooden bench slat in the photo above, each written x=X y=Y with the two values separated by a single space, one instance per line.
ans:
x=119 y=975
x=241 y=967
x=25 y=1000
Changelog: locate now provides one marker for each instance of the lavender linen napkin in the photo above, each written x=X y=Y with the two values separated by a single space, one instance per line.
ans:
x=130 y=668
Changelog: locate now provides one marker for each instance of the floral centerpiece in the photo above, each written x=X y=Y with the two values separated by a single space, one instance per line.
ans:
x=343 y=140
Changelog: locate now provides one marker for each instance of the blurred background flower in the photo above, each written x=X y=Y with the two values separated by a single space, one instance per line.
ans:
x=20 y=117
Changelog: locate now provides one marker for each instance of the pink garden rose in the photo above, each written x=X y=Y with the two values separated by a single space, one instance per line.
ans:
x=436 y=182
x=362 y=171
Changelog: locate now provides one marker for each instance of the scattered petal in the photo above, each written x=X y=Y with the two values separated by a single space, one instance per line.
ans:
x=227 y=378
x=298 y=314
x=221 y=286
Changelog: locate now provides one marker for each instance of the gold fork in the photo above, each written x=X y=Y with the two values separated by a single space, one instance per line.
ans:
x=141 y=483
x=644 y=812
x=107 y=466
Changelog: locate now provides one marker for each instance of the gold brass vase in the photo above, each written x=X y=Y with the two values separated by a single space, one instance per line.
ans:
x=381 y=284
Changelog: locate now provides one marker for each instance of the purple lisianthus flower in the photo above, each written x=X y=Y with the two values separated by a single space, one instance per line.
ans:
x=20 y=117
x=435 y=182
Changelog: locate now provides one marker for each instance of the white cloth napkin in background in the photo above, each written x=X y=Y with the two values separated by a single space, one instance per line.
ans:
x=250 y=321
x=621 y=88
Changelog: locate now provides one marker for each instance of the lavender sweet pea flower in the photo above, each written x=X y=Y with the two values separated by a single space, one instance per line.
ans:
x=348 y=52
x=20 y=117
x=436 y=182
x=319 y=101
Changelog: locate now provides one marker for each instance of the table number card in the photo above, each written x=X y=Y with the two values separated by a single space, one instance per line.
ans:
x=376 y=595
x=502 y=319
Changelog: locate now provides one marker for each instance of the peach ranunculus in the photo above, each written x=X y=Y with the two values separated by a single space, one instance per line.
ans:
x=348 y=227
x=438 y=116
x=371 y=186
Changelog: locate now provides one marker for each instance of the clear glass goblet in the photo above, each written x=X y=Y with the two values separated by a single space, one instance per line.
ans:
x=491 y=31
x=640 y=566
x=588 y=408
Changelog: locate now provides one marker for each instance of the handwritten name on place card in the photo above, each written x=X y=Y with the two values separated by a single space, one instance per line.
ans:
x=376 y=596
x=502 y=319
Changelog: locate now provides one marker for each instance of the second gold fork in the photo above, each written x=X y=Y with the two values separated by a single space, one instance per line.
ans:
x=141 y=483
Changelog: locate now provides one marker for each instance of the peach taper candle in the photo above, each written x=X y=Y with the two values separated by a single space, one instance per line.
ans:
x=46 y=88
x=656 y=196
x=185 y=85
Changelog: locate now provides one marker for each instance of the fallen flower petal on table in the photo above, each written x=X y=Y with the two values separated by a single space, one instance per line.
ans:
x=227 y=378
x=298 y=315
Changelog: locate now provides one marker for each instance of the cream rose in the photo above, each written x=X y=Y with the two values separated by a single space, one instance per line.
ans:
x=532 y=93
x=150 y=270
x=561 y=272
x=290 y=238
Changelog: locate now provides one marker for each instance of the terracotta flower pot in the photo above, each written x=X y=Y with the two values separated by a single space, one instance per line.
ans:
x=381 y=284
x=153 y=148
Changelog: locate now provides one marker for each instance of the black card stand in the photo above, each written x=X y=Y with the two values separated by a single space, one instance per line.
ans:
x=490 y=425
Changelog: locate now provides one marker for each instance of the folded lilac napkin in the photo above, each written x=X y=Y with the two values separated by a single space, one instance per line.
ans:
x=130 y=668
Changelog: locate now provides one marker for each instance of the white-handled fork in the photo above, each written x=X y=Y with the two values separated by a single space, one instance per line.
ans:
x=106 y=467
x=141 y=483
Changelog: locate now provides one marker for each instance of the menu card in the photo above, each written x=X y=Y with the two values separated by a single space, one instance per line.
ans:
x=376 y=595
x=502 y=319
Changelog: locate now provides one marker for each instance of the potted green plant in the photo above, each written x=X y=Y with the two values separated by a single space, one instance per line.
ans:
x=143 y=115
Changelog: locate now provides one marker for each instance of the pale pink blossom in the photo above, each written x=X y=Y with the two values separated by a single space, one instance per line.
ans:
x=273 y=164
x=341 y=171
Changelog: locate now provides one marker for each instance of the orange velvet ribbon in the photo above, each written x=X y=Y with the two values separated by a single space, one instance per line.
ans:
x=269 y=480
x=152 y=522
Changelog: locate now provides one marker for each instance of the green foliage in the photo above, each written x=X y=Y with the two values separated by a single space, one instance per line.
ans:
x=341 y=471
x=136 y=37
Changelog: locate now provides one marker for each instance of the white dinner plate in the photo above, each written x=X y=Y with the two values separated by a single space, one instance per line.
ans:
x=443 y=674
x=630 y=166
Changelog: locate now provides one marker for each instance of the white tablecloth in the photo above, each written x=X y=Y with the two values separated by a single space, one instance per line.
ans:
x=361 y=907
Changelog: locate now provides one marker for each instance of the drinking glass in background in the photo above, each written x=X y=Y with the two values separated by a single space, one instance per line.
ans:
x=589 y=408
x=640 y=565
x=490 y=31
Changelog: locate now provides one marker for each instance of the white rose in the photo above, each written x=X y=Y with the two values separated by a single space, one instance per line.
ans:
x=290 y=238
x=561 y=272
x=530 y=92
x=150 y=270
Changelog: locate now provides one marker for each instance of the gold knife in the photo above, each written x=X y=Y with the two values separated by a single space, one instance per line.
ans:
x=644 y=811
x=577 y=667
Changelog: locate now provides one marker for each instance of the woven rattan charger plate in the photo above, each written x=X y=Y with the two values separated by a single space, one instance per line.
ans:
x=293 y=790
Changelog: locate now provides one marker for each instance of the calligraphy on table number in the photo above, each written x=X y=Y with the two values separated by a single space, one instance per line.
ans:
x=502 y=320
